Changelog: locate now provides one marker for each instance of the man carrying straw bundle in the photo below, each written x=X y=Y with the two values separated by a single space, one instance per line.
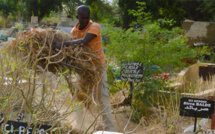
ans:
x=88 y=33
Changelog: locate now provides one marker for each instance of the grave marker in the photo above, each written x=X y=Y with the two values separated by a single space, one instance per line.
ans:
x=193 y=107
x=14 y=127
x=132 y=72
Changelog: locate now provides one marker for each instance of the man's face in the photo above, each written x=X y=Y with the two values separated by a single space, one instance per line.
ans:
x=83 y=18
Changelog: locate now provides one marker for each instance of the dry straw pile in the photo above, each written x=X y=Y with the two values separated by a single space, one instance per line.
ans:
x=27 y=86
x=35 y=50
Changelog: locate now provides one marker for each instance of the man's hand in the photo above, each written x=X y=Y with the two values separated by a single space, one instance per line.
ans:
x=57 y=45
x=84 y=41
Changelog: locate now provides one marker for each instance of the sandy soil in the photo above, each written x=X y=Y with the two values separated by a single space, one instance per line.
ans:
x=122 y=121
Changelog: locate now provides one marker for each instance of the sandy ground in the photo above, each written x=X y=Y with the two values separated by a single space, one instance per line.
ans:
x=122 y=120
x=125 y=125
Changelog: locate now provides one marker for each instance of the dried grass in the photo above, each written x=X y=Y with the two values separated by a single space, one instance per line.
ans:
x=35 y=49
x=201 y=85
x=27 y=86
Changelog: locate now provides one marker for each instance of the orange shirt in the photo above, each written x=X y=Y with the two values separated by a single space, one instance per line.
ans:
x=96 y=43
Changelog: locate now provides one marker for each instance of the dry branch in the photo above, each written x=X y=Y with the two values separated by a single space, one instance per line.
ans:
x=35 y=48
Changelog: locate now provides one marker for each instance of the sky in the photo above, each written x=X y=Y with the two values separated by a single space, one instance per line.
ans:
x=110 y=1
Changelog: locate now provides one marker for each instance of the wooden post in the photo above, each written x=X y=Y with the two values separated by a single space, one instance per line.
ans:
x=213 y=115
x=130 y=94
x=213 y=122
x=195 y=123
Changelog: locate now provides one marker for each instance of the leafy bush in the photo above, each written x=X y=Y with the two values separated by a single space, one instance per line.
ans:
x=159 y=49
x=5 y=20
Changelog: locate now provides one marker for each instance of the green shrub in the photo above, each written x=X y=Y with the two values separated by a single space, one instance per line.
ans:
x=159 y=49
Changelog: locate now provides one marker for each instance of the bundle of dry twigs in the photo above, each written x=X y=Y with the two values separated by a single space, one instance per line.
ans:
x=35 y=49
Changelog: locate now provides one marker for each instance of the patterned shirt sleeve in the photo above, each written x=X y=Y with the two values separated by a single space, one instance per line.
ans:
x=94 y=29
x=72 y=33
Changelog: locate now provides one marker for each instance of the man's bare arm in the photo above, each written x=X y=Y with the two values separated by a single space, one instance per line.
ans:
x=84 y=41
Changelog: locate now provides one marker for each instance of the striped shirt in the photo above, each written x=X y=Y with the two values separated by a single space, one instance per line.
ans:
x=96 y=43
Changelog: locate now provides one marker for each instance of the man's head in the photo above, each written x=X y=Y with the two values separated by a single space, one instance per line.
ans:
x=83 y=15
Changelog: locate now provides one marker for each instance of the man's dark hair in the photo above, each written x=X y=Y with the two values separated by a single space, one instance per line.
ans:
x=83 y=9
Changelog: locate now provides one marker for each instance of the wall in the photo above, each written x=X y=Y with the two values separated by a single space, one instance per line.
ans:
x=199 y=32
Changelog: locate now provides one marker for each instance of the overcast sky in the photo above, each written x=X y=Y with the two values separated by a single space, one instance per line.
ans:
x=110 y=1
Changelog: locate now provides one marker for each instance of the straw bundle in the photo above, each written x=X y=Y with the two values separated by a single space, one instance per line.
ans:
x=35 y=49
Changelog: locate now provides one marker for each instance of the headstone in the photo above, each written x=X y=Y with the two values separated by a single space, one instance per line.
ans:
x=68 y=22
x=4 y=37
x=202 y=124
x=11 y=31
x=34 y=19
x=206 y=72
x=65 y=29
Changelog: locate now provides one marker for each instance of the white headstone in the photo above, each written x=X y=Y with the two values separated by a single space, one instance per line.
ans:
x=34 y=19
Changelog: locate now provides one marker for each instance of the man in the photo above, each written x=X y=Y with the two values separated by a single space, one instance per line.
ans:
x=88 y=33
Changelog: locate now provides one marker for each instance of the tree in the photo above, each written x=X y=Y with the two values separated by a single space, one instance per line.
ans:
x=42 y=8
x=124 y=7
x=174 y=10
x=194 y=10
x=99 y=10
x=169 y=9
x=208 y=9
x=8 y=6
x=71 y=7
